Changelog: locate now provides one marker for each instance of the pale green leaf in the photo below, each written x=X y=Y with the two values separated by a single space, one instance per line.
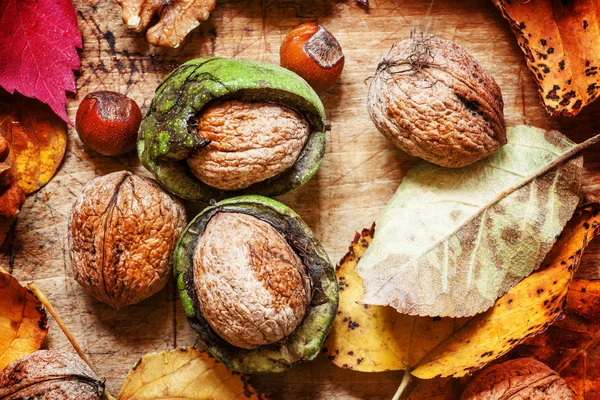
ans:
x=451 y=241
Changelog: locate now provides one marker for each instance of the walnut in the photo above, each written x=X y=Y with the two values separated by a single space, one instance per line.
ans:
x=250 y=142
x=122 y=231
x=519 y=379
x=177 y=18
x=434 y=101
x=50 y=375
x=252 y=287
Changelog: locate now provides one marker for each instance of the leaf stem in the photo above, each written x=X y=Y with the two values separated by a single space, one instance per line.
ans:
x=44 y=300
x=403 y=385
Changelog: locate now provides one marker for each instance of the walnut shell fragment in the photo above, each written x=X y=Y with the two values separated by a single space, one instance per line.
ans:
x=177 y=18
x=519 y=379
x=50 y=375
x=122 y=230
x=434 y=101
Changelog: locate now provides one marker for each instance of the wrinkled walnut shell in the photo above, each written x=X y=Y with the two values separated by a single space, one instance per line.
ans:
x=249 y=143
x=252 y=287
x=519 y=379
x=50 y=375
x=122 y=231
x=434 y=101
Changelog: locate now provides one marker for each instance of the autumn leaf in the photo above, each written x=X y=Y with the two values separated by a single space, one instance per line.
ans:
x=562 y=50
x=38 y=41
x=451 y=241
x=23 y=321
x=571 y=346
x=185 y=374
x=37 y=140
x=374 y=338
x=437 y=389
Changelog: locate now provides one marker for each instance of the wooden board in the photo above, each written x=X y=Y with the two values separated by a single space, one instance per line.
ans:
x=361 y=169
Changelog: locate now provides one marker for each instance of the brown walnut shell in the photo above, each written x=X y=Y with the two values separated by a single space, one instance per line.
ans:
x=252 y=287
x=122 y=231
x=249 y=142
x=50 y=375
x=519 y=379
x=434 y=101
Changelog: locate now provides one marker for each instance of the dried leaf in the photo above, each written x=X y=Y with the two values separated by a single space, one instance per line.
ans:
x=437 y=389
x=374 y=338
x=562 y=50
x=572 y=346
x=23 y=321
x=38 y=54
x=185 y=374
x=37 y=140
x=451 y=241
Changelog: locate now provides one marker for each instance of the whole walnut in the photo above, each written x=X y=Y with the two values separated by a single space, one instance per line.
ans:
x=122 y=231
x=434 y=101
x=249 y=142
x=252 y=287
x=519 y=379
x=50 y=375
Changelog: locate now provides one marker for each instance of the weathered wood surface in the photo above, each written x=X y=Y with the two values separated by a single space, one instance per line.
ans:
x=361 y=169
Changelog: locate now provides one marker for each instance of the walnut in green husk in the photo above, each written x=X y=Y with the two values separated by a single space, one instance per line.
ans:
x=219 y=127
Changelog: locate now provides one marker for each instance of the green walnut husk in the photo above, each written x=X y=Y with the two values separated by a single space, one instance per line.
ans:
x=305 y=342
x=167 y=135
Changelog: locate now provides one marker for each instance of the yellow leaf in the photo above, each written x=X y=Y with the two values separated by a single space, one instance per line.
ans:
x=372 y=338
x=184 y=374
x=37 y=140
x=23 y=321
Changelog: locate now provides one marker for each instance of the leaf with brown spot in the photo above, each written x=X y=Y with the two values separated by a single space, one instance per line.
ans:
x=37 y=139
x=450 y=242
x=572 y=346
x=562 y=50
x=375 y=338
x=184 y=374
x=23 y=321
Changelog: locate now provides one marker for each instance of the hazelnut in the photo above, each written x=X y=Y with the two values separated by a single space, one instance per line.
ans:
x=519 y=379
x=313 y=52
x=434 y=101
x=252 y=287
x=108 y=122
x=249 y=143
x=122 y=230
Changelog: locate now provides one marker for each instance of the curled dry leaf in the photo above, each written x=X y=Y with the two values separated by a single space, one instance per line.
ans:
x=523 y=378
x=572 y=346
x=177 y=18
x=50 y=375
x=23 y=321
x=37 y=140
x=12 y=196
x=185 y=374
x=374 y=338
x=451 y=241
x=560 y=42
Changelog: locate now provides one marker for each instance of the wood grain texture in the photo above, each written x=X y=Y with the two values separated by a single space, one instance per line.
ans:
x=360 y=172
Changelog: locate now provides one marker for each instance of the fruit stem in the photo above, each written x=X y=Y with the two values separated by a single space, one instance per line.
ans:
x=44 y=300
x=403 y=385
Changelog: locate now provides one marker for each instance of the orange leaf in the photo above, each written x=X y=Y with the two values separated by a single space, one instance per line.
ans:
x=562 y=50
x=572 y=346
x=37 y=140
x=23 y=321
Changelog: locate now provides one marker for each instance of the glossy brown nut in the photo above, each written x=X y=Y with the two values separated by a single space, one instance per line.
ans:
x=313 y=52
x=108 y=122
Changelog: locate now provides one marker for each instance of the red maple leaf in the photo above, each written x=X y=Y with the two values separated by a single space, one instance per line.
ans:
x=38 y=41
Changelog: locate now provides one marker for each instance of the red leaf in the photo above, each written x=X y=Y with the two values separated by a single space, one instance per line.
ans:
x=38 y=40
